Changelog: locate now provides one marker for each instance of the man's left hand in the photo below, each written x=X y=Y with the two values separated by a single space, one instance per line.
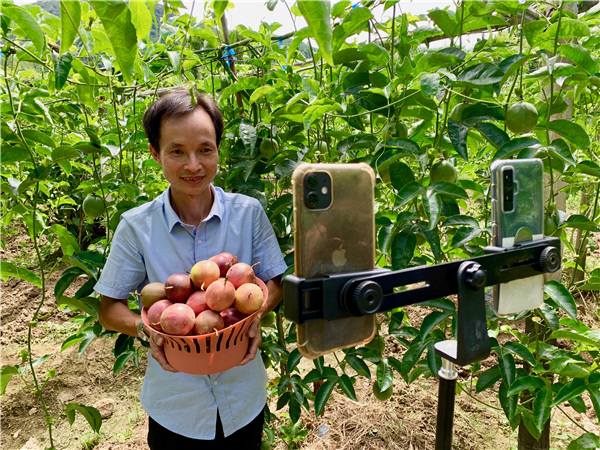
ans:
x=255 y=340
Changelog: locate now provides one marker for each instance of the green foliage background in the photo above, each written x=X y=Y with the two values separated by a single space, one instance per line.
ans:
x=77 y=77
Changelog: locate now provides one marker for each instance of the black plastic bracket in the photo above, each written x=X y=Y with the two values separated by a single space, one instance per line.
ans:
x=356 y=294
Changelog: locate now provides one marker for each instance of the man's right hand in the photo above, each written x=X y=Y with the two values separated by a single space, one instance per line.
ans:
x=157 y=351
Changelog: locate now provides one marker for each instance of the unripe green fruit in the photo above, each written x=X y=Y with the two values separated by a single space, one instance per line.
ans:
x=268 y=320
x=457 y=112
x=268 y=148
x=443 y=171
x=521 y=118
x=93 y=206
x=401 y=130
x=382 y=395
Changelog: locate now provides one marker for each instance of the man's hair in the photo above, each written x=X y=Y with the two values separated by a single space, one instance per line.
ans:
x=178 y=103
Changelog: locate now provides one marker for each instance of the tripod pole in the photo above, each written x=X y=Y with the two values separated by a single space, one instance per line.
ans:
x=445 y=412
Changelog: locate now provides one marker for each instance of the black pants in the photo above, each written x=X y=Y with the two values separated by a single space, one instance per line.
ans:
x=248 y=437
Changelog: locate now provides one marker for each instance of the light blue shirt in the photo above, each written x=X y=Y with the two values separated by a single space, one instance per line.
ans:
x=150 y=244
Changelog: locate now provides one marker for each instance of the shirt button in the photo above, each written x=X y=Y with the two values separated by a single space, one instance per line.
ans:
x=215 y=383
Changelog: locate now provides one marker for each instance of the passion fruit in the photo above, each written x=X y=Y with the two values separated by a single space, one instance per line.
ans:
x=443 y=170
x=457 y=112
x=382 y=395
x=401 y=129
x=521 y=118
x=268 y=148
x=93 y=206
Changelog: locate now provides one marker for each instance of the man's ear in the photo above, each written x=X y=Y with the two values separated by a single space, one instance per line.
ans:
x=154 y=154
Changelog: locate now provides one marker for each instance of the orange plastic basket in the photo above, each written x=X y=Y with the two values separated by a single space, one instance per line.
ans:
x=208 y=353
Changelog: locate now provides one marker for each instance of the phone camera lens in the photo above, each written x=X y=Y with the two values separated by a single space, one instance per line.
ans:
x=312 y=200
x=312 y=181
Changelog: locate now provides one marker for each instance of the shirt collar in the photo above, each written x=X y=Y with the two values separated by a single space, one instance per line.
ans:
x=173 y=219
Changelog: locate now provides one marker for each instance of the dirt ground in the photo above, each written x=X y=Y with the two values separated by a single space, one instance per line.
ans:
x=406 y=421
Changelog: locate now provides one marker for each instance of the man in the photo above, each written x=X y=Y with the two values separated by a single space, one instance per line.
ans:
x=191 y=221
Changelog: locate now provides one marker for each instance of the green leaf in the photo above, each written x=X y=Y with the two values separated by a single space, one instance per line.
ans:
x=571 y=131
x=345 y=382
x=481 y=74
x=5 y=375
x=488 y=378
x=68 y=242
x=400 y=175
x=561 y=150
x=446 y=188
x=432 y=204
x=385 y=375
x=141 y=18
x=457 y=132
x=587 y=167
x=93 y=417
x=584 y=442
x=355 y=21
x=67 y=277
x=521 y=351
x=411 y=357
x=581 y=56
x=594 y=393
x=461 y=219
x=89 y=305
x=62 y=67
x=28 y=24
x=431 y=321
x=220 y=6
x=464 y=235
x=493 y=133
x=527 y=382
x=318 y=18
x=121 y=361
x=11 y=154
x=444 y=21
x=70 y=19
x=358 y=365
x=573 y=335
x=541 y=407
x=323 y=395
x=562 y=297
x=581 y=222
x=116 y=20
x=261 y=92
x=514 y=146
x=403 y=249
x=8 y=269
x=61 y=153
x=293 y=359
x=569 y=391
x=430 y=84
x=408 y=193
x=509 y=405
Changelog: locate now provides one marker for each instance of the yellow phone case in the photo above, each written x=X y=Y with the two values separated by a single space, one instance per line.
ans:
x=336 y=239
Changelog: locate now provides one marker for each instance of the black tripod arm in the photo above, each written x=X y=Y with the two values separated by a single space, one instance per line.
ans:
x=356 y=294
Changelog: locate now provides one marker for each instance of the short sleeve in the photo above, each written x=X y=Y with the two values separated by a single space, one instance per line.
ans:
x=124 y=270
x=266 y=249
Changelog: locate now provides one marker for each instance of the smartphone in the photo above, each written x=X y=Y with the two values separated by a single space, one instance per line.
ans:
x=334 y=232
x=517 y=218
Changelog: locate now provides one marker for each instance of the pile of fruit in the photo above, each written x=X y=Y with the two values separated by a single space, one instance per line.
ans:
x=217 y=293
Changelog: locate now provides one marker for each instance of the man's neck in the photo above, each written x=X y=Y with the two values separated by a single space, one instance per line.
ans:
x=192 y=210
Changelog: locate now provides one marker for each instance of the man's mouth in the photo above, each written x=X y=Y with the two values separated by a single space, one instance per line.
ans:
x=192 y=179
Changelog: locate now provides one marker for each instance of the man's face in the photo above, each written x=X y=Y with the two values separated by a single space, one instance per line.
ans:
x=188 y=154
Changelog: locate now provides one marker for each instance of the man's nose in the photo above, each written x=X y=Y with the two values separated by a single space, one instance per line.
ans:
x=194 y=162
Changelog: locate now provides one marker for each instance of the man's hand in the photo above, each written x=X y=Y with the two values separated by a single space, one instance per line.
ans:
x=255 y=339
x=156 y=350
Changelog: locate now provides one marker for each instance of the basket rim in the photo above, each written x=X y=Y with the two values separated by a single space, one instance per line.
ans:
x=144 y=314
